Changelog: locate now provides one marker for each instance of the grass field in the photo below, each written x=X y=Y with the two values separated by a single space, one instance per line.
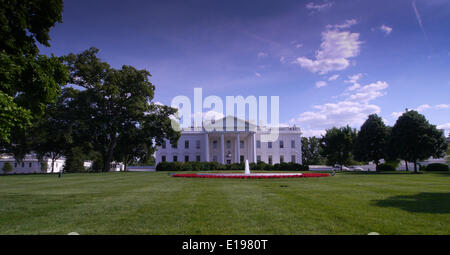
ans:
x=155 y=203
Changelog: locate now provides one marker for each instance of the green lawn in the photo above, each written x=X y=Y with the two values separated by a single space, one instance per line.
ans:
x=155 y=203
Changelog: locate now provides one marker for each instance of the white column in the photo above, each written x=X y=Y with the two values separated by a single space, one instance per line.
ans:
x=222 y=149
x=238 y=149
x=253 y=148
x=206 y=147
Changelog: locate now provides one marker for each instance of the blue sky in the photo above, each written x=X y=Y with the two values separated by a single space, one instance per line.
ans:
x=331 y=62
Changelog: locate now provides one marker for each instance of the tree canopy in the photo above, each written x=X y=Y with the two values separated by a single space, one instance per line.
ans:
x=28 y=81
x=337 y=145
x=413 y=138
x=114 y=108
x=372 y=140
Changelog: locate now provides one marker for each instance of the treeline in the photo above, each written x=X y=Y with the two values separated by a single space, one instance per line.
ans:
x=411 y=139
x=75 y=106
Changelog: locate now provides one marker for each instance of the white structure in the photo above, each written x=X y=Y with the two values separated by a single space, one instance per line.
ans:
x=31 y=164
x=233 y=146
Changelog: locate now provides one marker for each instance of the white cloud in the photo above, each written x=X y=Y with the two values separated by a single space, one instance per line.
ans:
x=442 y=106
x=423 y=107
x=282 y=59
x=336 y=48
x=258 y=75
x=333 y=77
x=386 y=29
x=348 y=23
x=352 y=111
x=262 y=54
x=321 y=84
x=445 y=126
x=354 y=78
x=318 y=6
x=298 y=45
x=336 y=114
x=369 y=92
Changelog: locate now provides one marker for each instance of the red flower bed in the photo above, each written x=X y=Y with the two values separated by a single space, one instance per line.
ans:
x=243 y=176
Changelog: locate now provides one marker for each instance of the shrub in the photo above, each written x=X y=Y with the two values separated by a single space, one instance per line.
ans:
x=386 y=167
x=44 y=166
x=7 y=167
x=437 y=167
x=207 y=166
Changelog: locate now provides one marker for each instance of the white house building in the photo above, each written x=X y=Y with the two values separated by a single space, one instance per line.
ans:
x=236 y=142
x=30 y=164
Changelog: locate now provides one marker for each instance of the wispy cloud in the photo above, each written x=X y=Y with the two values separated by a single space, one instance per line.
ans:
x=320 y=84
x=333 y=77
x=386 y=29
x=348 y=23
x=262 y=55
x=419 y=18
x=319 y=7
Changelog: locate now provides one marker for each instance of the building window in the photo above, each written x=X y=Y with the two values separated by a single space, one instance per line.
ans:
x=163 y=158
x=292 y=143
x=198 y=158
x=241 y=144
x=214 y=144
x=197 y=144
x=175 y=145
x=186 y=144
x=186 y=158
x=270 y=159
x=281 y=159
x=228 y=144
x=163 y=145
x=15 y=164
x=23 y=164
x=242 y=158
x=258 y=158
x=30 y=164
x=293 y=158
x=269 y=145
x=281 y=144
x=175 y=158
x=258 y=144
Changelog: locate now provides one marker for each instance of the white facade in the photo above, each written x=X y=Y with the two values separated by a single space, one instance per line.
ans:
x=232 y=146
x=31 y=165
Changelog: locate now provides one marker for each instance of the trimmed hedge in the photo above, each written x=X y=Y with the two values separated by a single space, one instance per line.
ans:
x=207 y=166
x=437 y=167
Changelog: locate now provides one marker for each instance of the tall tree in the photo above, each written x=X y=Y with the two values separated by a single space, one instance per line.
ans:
x=311 y=151
x=413 y=138
x=28 y=81
x=372 y=140
x=337 y=145
x=114 y=106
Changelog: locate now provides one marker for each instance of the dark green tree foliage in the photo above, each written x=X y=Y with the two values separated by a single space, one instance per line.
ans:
x=311 y=151
x=372 y=140
x=337 y=145
x=114 y=108
x=7 y=167
x=413 y=138
x=28 y=81
x=74 y=160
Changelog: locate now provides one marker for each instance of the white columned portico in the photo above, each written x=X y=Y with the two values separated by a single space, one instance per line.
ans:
x=252 y=147
x=206 y=147
x=238 y=149
x=222 y=149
